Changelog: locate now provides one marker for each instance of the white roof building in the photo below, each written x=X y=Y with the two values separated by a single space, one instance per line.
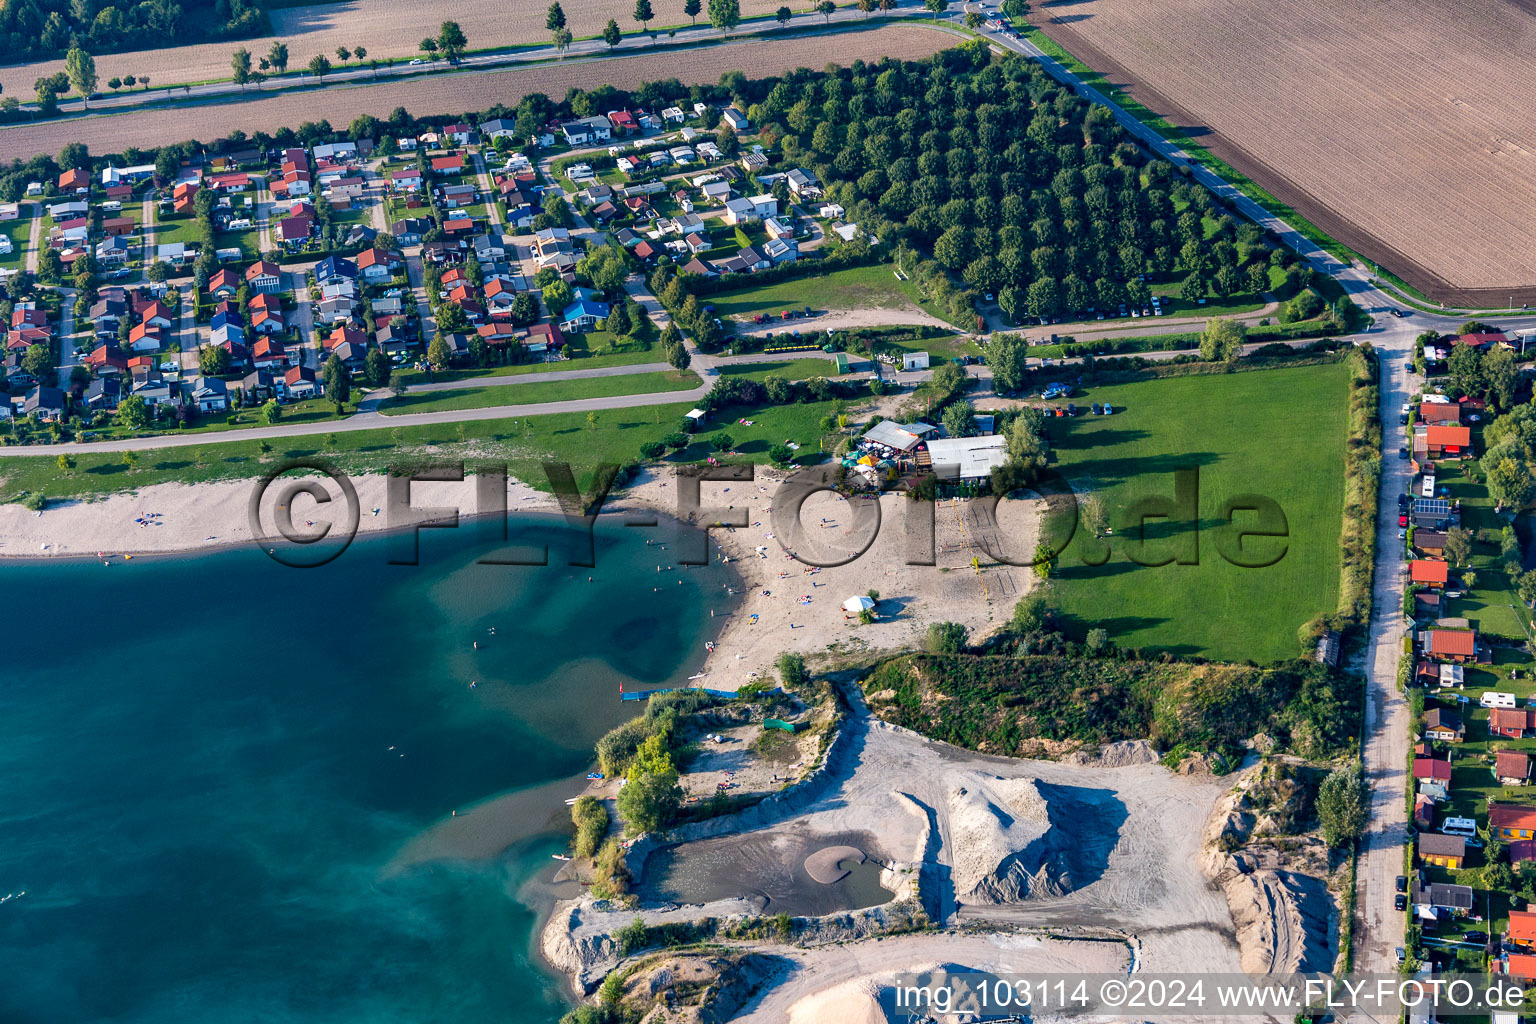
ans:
x=967 y=458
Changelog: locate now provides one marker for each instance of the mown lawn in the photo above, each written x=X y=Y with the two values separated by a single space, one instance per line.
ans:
x=579 y=361
x=872 y=287
x=540 y=391
x=1275 y=433
x=789 y=369
x=524 y=444
x=19 y=231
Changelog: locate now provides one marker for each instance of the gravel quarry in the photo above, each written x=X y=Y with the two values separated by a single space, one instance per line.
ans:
x=1082 y=849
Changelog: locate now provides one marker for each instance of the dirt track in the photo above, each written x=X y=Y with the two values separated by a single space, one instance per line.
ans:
x=1365 y=118
x=454 y=94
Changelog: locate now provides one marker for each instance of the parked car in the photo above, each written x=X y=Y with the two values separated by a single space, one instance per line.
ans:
x=1402 y=883
x=1402 y=452
x=1479 y=937
x=1401 y=954
x=1400 y=902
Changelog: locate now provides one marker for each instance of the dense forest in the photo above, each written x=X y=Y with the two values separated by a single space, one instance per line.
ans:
x=35 y=29
x=1009 y=180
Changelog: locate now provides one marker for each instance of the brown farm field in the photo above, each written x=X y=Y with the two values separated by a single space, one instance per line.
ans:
x=388 y=28
x=472 y=91
x=1402 y=129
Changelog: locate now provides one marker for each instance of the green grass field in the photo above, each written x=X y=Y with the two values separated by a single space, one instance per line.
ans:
x=789 y=369
x=19 y=231
x=524 y=444
x=1276 y=433
x=579 y=361
x=540 y=391
x=872 y=287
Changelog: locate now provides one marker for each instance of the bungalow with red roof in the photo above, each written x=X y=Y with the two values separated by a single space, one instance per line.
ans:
x=499 y=294
x=378 y=264
x=224 y=284
x=1511 y=821
x=1430 y=573
x=267 y=321
x=1455 y=645
x=268 y=354
x=264 y=276
x=1440 y=412
x=114 y=226
x=74 y=180
x=1482 y=339
x=1434 y=768
x=107 y=359
x=157 y=314
x=345 y=333
x=408 y=180
x=1522 y=927
x=300 y=382
x=1512 y=768
x=544 y=338
x=1445 y=440
x=1516 y=965
x=144 y=338
x=1512 y=723
x=452 y=164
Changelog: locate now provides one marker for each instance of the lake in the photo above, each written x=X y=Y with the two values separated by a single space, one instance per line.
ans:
x=235 y=791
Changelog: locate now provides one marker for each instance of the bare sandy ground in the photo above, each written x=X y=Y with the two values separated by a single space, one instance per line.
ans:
x=851 y=318
x=801 y=610
x=839 y=984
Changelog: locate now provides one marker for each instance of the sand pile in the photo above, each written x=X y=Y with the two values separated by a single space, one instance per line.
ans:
x=1003 y=844
x=852 y=1002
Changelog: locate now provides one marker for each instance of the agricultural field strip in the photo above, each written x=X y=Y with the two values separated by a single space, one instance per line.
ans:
x=1429 y=161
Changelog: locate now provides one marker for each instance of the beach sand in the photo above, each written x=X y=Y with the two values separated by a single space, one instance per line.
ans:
x=787 y=606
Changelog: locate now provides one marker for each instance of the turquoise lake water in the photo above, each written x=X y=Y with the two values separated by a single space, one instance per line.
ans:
x=199 y=796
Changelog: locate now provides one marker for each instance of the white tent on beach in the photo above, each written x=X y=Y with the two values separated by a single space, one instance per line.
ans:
x=855 y=605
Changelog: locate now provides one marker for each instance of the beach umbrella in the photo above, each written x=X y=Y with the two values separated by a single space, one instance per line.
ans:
x=862 y=603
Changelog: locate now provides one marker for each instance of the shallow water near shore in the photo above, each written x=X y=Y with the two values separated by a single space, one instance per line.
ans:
x=228 y=787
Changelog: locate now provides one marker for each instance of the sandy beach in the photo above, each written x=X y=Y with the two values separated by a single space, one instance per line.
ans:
x=787 y=604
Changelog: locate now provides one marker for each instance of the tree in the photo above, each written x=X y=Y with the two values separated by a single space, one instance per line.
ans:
x=792 y=671
x=611 y=33
x=1501 y=374
x=643 y=13
x=241 y=62
x=272 y=411
x=946 y=638
x=678 y=357
x=936 y=6
x=562 y=40
x=81 y=69
x=1091 y=513
x=376 y=368
x=826 y=8
x=1029 y=614
x=959 y=419
x=360 y=52
x=722 y=442
x=319 y=65
x=338 y=382
x=158 y=271
x=37 y=360
x=451 y=40
x=1097 y=639
x=725 y=15
x=277 y=56
x=439 y=355
x=651 y=796
x=1222 y=340
x=781 y=454
x=212 y=360
x=554 y=19
x=114 y=83
x=1466 y=369
x=1007 y=355
x=429 y=47
x=865 y=7
x=133 y=413
x=692 y=8
x=973 y=20
x=1342 y=804
x=1458 y=545
x=343 y=54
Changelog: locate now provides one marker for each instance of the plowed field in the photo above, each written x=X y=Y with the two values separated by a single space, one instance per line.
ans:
x=1402 y=129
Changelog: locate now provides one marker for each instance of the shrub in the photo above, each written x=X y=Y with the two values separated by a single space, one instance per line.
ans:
x=591 y=820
